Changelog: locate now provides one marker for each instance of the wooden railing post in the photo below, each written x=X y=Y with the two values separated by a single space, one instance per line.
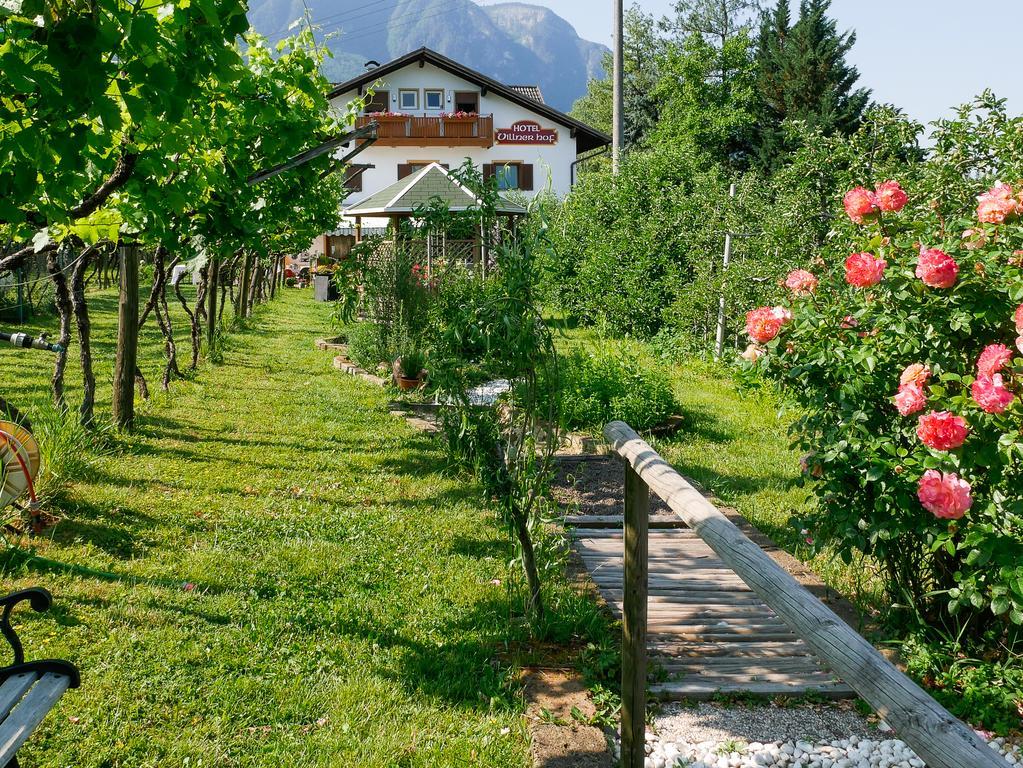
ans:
x=637 y=498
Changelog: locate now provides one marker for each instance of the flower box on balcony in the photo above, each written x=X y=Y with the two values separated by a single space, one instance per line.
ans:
x=392 y=124
x=459 y=125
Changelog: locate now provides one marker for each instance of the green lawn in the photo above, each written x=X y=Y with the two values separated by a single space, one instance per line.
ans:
x=351 y=600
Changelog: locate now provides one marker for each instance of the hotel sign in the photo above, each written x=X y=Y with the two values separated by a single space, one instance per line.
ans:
x=526 y=132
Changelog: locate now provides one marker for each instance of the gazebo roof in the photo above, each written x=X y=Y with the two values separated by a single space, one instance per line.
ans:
x=406 y=195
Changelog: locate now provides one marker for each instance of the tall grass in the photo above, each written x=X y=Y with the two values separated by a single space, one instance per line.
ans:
x=68 y=451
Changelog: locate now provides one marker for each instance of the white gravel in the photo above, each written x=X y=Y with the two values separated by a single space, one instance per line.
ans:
x=712 y=736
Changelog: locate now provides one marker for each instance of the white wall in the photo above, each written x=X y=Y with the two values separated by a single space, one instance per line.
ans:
x=553 y=160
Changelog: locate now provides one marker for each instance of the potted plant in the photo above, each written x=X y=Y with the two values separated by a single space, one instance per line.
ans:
x=409 y=370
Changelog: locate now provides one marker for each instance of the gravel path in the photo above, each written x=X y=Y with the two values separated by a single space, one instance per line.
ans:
x=711 y=722
x=826 y=736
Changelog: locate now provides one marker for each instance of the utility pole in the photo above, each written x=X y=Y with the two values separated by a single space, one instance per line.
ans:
x=618 y=79
x=719 y=345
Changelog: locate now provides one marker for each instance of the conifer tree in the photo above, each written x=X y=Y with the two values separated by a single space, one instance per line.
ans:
x=802 y=74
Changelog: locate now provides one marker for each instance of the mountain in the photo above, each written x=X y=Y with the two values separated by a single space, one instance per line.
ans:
x=516 y=43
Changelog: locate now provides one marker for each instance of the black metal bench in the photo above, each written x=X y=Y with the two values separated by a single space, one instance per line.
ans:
x=28 y=690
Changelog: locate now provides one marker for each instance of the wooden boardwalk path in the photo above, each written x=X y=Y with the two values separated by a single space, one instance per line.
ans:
x=708 y=633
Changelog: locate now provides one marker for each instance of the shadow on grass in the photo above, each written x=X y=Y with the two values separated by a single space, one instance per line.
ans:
x=15 y=558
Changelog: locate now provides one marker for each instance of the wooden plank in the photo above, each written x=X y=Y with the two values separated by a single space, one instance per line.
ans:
x=13 y=689
x=706 y=651
x=614 y=522
x=19 y=725
x=726 y=665
x=940 y=739
x=634 y=621
x=701 y=690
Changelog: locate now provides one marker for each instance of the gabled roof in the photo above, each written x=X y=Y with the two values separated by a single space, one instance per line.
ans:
x=406 y=195
x=587 y=138
x=529 y=91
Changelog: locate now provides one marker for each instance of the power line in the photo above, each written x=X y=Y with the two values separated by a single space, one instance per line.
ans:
x=389 y=24
x=366 y=32
x=328 y=17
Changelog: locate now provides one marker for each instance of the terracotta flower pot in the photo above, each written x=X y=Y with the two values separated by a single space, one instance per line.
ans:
x=405 y=384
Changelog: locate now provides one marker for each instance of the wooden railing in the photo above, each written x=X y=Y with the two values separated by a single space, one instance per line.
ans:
x=411 y=130
x=934 y=733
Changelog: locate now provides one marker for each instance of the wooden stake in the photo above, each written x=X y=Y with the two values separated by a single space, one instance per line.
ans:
x=211 y=297
x=634 y=618
x=127 y=338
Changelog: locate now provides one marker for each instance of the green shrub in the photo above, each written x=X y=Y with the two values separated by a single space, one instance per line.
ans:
x=612 y=382
x=987 y=694
x=366 y=345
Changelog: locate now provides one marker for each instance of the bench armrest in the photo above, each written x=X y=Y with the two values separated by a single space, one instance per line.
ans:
x=40 y=600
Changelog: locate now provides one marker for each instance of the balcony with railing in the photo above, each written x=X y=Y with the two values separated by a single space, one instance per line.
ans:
x=415 y=131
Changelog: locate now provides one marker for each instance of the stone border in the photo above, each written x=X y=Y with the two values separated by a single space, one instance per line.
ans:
x=331 y=345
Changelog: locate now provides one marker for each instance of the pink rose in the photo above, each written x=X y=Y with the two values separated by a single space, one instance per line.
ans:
x=944 y=495
x=990 y=393
x=936 y=268
x=993 y=359
x=910 y=399
x=864 y=270
x=890 y=197
x=859 y=202
x=1019 y=344
x=1018 y=317
x=942 y=430
x=762 y=324
x=783 y=314
x=997 y=204
x=850 y=322
x=800 y=281
x=917 y=373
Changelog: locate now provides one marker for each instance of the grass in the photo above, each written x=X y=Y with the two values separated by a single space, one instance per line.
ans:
x=271 y=571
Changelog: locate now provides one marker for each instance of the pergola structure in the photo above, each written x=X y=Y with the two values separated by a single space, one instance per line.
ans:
x=406 y=198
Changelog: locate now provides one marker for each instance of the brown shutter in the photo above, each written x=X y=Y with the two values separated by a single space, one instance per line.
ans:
x=354 y=180
x=488 y=170
x=526 y=177
x=404 y=169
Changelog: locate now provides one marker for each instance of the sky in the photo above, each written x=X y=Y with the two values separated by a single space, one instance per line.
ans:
x=925 y=56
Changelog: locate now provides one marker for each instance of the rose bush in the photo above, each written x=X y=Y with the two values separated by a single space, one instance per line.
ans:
x=903 y=362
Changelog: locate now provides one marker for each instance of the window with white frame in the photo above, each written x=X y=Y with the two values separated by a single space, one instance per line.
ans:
x=434 y=99
x=408 y=98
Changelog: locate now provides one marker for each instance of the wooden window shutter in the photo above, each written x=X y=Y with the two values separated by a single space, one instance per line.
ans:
x=488 y=171
x=353 y=182
x=526 y=177
x=405 y=169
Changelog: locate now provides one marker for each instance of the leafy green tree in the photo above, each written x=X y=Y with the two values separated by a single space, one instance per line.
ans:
x=802 y=74
x=707 y=99
x=716 y=21
x=88 y=87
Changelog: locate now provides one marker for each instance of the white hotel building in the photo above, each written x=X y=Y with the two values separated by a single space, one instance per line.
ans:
x=432 y=109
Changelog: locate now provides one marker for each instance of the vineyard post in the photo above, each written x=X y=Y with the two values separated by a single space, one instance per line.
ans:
x=211 y=297
x=127 y=337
